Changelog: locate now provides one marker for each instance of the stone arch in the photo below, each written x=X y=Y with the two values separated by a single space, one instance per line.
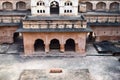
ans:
x=89 y=6
x=54 y=44
x=54 y=7
x=20 y=5
x=39 y=45
x=69 y=37
x=7 y=6
x=114 y=6
x=70 y=45
x=101 y=6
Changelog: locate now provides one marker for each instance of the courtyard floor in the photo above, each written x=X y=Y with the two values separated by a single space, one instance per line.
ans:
x=101 y=67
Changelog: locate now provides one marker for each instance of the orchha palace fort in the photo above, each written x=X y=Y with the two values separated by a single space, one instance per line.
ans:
x=63 y=25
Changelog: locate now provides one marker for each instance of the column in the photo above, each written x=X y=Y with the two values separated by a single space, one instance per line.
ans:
x=28 y=49
x=1 y=6
x=107 y=6
x=77 y=48
x=14 y=6
x=94 y=6
x=119 y=7
x=47 y=48
x=62 y=47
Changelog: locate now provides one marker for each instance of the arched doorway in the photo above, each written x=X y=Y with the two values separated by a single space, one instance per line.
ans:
x=114 y=6
x=20 y=5
x=54 y=44
x=7 y=6
x=70 y=45
x=54 y=7
x=101 y=6
x=39 y=45
x=16 y=38
x=91 y=37
x=89 y=6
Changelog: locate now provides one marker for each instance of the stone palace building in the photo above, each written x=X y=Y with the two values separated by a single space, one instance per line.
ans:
x=63 y=25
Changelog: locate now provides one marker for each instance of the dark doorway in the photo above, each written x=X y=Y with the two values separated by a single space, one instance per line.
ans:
x=70 y=45
x=91 y=37
x=54 y=44
x=16 y=37
x=39 y=45
x=54 y=7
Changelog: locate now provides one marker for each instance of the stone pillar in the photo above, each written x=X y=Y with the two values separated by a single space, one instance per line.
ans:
x=1 y=6
x=77 y=48
x=94 y=6
x=108 y=7
x=27 y=5
x=28 y=49
x=14 y=6
x=47 y=48
x=62 y=47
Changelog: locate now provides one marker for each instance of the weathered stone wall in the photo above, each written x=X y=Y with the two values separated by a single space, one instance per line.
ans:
x=7 y=33
x=14 y=4
x=29 y=40
x=101 y=5
x=106 y=32
x=102 y=18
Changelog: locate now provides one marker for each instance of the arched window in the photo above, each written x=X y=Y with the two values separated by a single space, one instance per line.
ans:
x=101 y=6
x=7 y=6
x=20 y=5
x=114 y=6
x=37 y=11
x=43 y=11
x=64 y=11
x=68 y=3
x=67 y=11
x=40 y=3
x=40 y=11
x=89 y=6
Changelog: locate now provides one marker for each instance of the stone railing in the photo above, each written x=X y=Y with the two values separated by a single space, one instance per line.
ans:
x=53 y=26
x=10 y=19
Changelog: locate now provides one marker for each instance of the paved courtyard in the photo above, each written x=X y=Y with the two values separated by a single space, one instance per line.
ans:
x=101 y=67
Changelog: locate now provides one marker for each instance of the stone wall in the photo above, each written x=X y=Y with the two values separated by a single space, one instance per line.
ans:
x=7 y=33
x=29 y=41
x=13 y=4
x=91 y=18
x=102 y=5
x=106 y=32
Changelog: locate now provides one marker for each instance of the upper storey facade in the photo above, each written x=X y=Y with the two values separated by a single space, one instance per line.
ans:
x=101 y=5
x=64 y=7
x=49 y=7
x=14 y=4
